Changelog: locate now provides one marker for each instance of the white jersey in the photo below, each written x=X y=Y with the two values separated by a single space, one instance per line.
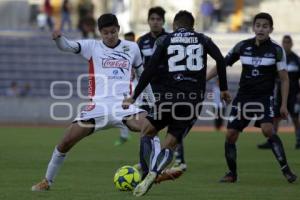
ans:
x=110 y=68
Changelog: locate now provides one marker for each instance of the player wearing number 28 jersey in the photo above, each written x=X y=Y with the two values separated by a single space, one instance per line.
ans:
x=180 y=62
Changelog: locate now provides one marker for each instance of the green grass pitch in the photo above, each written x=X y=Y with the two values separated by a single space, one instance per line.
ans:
x=88 y=171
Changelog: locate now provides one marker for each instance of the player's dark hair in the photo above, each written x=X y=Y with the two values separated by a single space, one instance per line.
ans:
x=263 y=15
x=287 y=37
x=129 y=34
x=157 y=10
x=184 y=19
x=106 y=20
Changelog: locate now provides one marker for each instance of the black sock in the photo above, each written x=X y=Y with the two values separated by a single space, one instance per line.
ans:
x=278 y=150
x=180 y=152
x=164 y=158
x=230 y=155
x=145 y=154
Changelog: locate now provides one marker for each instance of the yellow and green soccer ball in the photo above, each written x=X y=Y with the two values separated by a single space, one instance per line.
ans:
x=127 y=178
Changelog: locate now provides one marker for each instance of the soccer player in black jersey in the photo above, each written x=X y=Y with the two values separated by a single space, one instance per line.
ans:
x=262 y=60
x=180 y=61
x=156 y=20
x=293 y=65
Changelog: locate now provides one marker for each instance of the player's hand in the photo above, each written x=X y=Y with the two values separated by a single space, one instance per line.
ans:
x=127 y=102
x=284 y=112
x=225 y=95
x=56 y=34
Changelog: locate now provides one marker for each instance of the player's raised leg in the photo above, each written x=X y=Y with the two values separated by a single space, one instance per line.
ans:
x=179 y=158
x=164 y=158
x=135 y=123
x=278 y=151
x=74 y=134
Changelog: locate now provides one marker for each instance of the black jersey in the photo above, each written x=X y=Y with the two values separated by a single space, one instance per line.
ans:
x=180 y=61
x=293 y=65
x=260 y=65
x=146 y=43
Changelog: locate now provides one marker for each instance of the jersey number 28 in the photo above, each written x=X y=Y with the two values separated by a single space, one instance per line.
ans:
x=192 y=55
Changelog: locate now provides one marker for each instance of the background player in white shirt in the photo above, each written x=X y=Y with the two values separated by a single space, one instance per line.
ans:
x=111 y=61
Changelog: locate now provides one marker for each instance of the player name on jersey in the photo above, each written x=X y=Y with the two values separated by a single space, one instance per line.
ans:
x=186 y=40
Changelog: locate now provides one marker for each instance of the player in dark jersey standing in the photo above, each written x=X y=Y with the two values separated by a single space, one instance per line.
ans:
x=156 y=20
x=180 y=61
x=262 y=60
x=293 y=65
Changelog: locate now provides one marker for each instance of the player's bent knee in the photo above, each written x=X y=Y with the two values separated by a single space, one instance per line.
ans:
x=148 y=129
x=232 y=135
x=267 y=129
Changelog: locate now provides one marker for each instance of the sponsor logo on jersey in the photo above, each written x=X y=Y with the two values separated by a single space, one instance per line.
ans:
x=114 y=63
x=115 y=72
x=178 y=77
x=269 y=55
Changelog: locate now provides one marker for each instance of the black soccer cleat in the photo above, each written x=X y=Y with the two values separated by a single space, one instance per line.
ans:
x=228 y=178
x=290 y=176
x=265 y=145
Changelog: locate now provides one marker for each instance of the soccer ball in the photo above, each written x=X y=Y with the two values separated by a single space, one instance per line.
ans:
x=127 y=178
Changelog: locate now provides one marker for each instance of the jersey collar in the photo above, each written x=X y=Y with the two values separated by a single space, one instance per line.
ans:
x=163 y=32
x=266 y=42
x=119 y=41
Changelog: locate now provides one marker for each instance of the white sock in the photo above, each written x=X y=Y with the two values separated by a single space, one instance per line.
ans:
x=124 y=132
x=54 y=165
x=155 y=150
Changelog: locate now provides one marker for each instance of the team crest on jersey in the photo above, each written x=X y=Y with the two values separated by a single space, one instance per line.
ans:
x=126 y=48
x=114 y=63
x=256 y=61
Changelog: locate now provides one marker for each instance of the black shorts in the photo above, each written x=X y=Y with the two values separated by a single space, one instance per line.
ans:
x=291 y=105
x=244 y=109
x=177 y=117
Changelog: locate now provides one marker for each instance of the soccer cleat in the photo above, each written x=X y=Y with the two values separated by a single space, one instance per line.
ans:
x=142 y=188
x=179 y=166
x=297 y=146
x=168 y=174
x=228 y=178
x=265 y=145
x=41 y=186
x=289 y=175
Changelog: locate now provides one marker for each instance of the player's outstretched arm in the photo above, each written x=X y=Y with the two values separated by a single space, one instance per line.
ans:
x=148 y=90
x=64 y=44
x=212 y=73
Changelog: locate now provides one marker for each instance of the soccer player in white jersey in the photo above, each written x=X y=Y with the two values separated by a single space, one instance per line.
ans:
x=111 y=61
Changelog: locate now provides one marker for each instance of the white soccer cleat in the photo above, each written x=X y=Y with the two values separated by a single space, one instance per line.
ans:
x=142 y=188
x=179 y=166
x=41 y=186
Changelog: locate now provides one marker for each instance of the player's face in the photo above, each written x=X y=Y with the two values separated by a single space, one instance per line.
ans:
x=110 y=35
x=156 y=23
x=287 y=44
x=262 y=29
